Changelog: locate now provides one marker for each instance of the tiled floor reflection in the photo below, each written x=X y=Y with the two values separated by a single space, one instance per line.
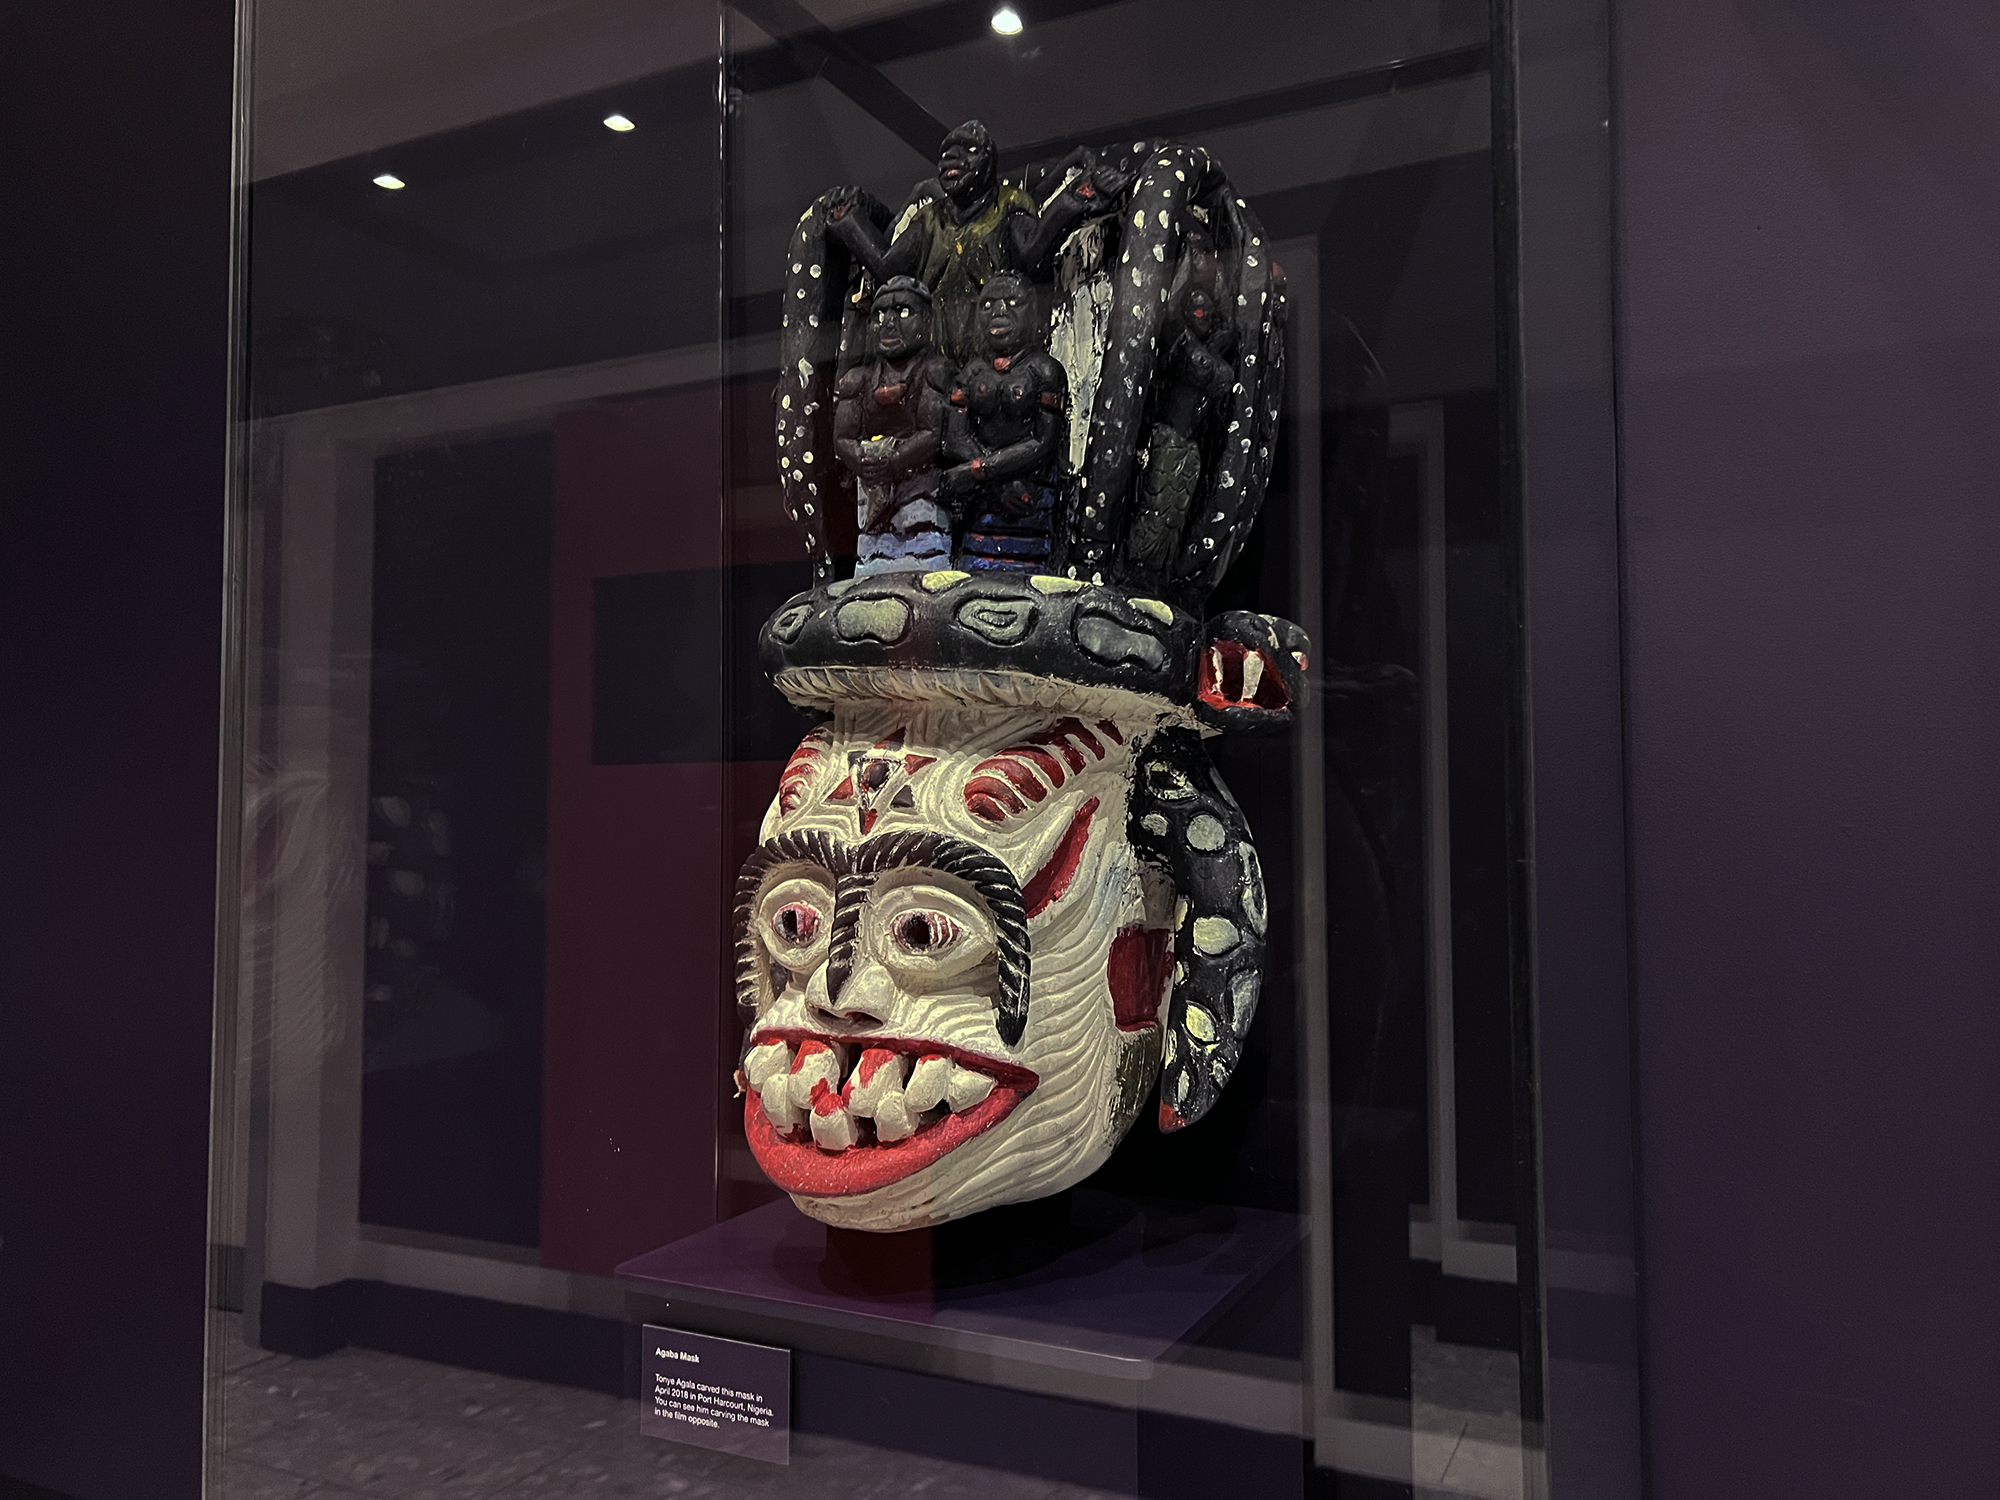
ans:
x=1466 y=1412
x=361 y=1423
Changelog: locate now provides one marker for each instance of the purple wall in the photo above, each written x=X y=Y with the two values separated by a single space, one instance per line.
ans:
x=113 y=302
x=1809 y=359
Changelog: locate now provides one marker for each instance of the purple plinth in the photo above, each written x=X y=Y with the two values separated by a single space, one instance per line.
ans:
x=1091 y=1281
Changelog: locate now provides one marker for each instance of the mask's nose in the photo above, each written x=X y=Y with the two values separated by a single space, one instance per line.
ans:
x=869 y=996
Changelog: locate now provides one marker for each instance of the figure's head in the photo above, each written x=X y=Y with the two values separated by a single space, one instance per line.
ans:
x=966 y=163
x=1198 y=312
x=1006 y=312
x=954 y=959
x=901 y=316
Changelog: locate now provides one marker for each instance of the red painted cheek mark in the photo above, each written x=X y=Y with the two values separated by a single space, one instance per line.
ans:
x=1024 y=778
x=1003 y=784
x=800 y=771
x=1052 y=880
x=987 y=799
x=1072 y=726
x=1141 y=963
x=1058 y=737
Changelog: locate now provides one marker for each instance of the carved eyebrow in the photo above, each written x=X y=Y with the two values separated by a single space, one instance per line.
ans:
x=854 y=869
x=988 y=876
x=806 y=846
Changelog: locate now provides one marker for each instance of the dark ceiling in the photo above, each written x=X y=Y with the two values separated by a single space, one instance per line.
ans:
x=540 y=238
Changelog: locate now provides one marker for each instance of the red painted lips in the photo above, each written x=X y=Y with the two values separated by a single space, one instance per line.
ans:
x=796 y=1163
x=801 y=1167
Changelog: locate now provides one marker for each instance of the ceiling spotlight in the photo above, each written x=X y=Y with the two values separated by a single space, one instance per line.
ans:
x=390 y=181
x=1007 y=21
x=618 y=123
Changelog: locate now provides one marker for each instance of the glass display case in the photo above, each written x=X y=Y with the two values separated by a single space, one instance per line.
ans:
x=527 y=294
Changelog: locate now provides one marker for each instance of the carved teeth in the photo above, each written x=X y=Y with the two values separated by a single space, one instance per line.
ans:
x=769 y=1070
x=939 y=1080
x=803 y=1087
x=878 y=1076
x=779 y=1109
x=965 y=1088
x=1253 y=673
x=833 y=1128
x=928 y=1082
x=817 y=1062
x=893 y=1120
x=773 y=1058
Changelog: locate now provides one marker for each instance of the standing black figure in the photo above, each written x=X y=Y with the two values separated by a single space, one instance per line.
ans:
x=1004 y=433
x=1194 y=378
x=887 y=418
x=976 y=227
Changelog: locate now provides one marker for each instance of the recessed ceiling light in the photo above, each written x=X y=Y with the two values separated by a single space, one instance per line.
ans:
x=618 y=122
x=389 y=180
x=1007 y=21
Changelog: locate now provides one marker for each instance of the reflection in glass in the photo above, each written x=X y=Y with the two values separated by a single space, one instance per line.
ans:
x=513 y=517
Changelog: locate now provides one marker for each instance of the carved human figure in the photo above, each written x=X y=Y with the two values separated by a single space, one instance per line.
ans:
x=1193 y=380
x=975 y=227
x=887 y=419
x=1005 y=431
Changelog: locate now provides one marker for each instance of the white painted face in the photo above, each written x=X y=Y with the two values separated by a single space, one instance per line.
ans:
x=955 y=959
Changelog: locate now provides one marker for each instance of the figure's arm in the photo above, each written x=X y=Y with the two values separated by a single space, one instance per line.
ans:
x=1209 y=370
x=847 y=422
x=1034 y=237
x=1028 y=455
x=961 y=445
x=1207 y=377
x=857 y=233
x=921 y=449
x=968 y=456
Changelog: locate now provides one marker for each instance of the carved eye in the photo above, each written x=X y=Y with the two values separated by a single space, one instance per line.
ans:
x=795 y=925
x=924 y=931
